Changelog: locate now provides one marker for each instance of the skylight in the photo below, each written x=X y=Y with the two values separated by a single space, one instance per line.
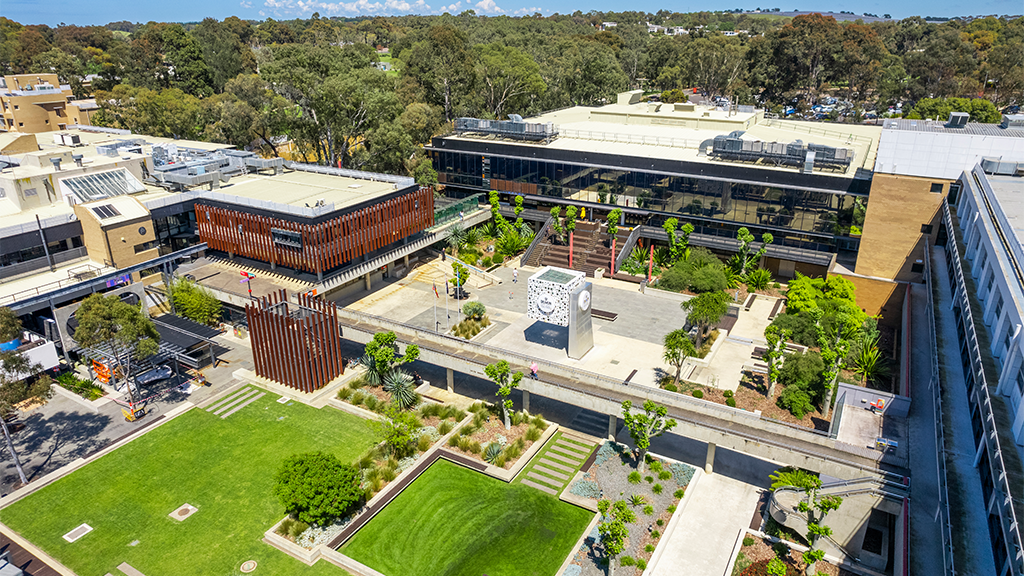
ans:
x=100 y=185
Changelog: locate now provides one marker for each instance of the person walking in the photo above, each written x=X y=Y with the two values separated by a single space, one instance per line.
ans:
x=533 y=370
x=515 y=275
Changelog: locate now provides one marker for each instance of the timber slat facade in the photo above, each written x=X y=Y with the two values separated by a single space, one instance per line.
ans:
x=325 y=245
x=302 y=351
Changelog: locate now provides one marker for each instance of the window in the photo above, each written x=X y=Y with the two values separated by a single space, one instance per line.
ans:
x=106 y=211
x=15 y=106
x=917 y=267
x=62 y=126
x=146 y=246
x=991 y=279
x=999 y=309
x=1020 y=382
x=926 y=228
x=937 y=188
x=30 y=192
x=3 y=193
x=22 y=124
x=1009 y=336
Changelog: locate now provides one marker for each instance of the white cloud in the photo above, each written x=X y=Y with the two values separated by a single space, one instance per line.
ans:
x=527 y=11
x=489 y=7
x=245 y=4
x=451 y=8
x=307 y=7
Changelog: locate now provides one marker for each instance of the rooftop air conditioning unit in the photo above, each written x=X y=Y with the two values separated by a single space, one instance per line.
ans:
x=1012 y=121
x=958 y=119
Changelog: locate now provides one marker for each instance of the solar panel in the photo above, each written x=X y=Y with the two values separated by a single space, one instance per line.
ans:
x=105 y=211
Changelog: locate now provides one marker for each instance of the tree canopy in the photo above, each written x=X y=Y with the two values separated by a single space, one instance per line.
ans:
x=317 y=488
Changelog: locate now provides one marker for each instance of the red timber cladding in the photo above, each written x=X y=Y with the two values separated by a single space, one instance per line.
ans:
x=324 y=246
x=302 y=354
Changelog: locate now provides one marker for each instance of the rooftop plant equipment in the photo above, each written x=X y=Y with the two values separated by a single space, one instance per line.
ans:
x=515 y=128
x=809 y=156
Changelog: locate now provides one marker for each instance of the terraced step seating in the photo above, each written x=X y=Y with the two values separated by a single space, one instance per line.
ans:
x=588 y=252
x=235 y=401
x=551 y=470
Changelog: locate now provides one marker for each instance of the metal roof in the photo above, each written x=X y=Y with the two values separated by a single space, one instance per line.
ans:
x=974 y=128
x=100 y=185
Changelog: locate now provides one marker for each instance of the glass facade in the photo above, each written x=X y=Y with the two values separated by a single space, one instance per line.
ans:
x=799 y=218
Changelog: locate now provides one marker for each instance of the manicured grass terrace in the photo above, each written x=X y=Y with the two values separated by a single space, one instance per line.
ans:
x=224 y=467
x=452 y=521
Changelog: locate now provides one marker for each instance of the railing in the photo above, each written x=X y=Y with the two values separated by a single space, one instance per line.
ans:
x=537 y=239
x=31 y=226
x=837 y=417
x=631 y=138
x=934 y=384
x=357 y=174
x=627 y=247
x=789 y=125
x=456 y=210
x=59 y=258
x=958 y=286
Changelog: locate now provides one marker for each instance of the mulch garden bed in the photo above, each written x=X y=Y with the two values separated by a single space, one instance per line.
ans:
x=488 y=428
x=608 y=478
x=756 y=556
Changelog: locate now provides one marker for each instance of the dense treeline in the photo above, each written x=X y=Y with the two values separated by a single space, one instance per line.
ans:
x=316 y=80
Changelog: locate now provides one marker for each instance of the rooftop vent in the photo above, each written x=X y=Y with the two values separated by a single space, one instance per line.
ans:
x=56 y=163
x=998 y=167
x=958 y=119
x=1012 y=121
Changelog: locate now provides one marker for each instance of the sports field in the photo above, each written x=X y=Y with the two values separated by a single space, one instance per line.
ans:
x=224 y=467
x=452 y=521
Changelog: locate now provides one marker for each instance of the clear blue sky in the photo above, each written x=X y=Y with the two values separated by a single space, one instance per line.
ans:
x=102 y=11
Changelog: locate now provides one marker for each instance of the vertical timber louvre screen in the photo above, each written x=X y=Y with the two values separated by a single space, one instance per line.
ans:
x=298 y=346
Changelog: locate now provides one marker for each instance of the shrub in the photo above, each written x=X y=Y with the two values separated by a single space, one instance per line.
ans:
x=671 y=387
x=637 y=499
x=634 y=477
x=344 y=393
x=533 y=434
x=539 y=422
x=423 y=444
x=641 y=564
x=655 y=465
x=657 y=488
x=486 y=263
x=781 y=549
x=648 y=510
x=445 y=427
x=649 y=479
x=649 y=548
x=758 y=279
x=679 y=493
x=195 y=302
x=655 y=534
x=671 y=509
x=748 y=540
x=796 y=400
x=357 y=384
x=698 y=394
x=730 y=402
x=664 y=475
x=475 y=447
x=627 y=561
x=454 y=440
x=501 y=461
x=776 y=567
x=317 y=487
x=297 y=529
x=371 y=402
x=464 y=443
x=285 y=527
x=727 y=393
x=660 y=522
x=474 y=310
x=357 y=398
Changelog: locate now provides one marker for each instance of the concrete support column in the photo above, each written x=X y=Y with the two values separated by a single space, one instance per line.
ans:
x=231 y=254
x=405 y=261
x=367 y=279
x=613 y=425
x=319 y=276
x=273 y=266
x=709 y=461
x=526 y=400
x=451 y=379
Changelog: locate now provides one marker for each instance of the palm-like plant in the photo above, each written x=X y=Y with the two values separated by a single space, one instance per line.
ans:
x=400 y=386
x=371 y=376
x=456 y=237
x=472 y=237
x=663 y=257
x=868 y=362
x=758 y=279
x=489 y=230
x=637 y=500
x=492 y=452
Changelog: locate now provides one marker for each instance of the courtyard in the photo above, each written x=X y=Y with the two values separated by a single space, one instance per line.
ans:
x=222 y=466
x=453 y=521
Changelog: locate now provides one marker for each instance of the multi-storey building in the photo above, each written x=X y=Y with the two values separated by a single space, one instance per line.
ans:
x=40 y=103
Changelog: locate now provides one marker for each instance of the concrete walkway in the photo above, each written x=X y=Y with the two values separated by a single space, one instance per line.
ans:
x=702 y=542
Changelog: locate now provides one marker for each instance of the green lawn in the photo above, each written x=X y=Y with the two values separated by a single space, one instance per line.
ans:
x=452 y=521
x=224 y=467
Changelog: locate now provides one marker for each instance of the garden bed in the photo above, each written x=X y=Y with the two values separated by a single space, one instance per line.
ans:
x=80 y=386
x=475 y=439
x=757 y=552
x=661 y=486
x=752 y=396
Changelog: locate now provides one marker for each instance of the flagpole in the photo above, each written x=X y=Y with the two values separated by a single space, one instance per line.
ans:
x=435 y=307
x=447 y=316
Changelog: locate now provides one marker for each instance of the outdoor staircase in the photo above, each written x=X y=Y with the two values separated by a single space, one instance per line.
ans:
x=589 y=252
x=555 y=465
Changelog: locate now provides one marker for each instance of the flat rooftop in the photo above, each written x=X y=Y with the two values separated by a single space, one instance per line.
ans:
x=1009 y=191
x=43 y=281
x=939 y=126
x=301 y=189
x=638 y=130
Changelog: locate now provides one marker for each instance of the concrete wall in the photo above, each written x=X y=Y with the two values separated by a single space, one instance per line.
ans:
x=893 y=241
x=856 y=396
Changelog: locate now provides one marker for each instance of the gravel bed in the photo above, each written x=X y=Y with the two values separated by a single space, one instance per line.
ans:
x=316 y=535
x=609 y=477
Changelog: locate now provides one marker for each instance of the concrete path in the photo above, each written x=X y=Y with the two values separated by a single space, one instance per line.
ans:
x=702 y=542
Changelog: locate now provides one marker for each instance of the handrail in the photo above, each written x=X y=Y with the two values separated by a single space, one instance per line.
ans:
x=1011 y=528
x=773 y=503
x=627 y=247
x=630 y=138
x=776 y=123
x=934 y=384
x=537 y=239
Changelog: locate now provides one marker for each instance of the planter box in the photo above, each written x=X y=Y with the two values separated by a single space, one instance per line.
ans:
x=304 y=555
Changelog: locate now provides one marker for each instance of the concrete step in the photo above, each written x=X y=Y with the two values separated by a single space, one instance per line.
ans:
x=540 y=487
